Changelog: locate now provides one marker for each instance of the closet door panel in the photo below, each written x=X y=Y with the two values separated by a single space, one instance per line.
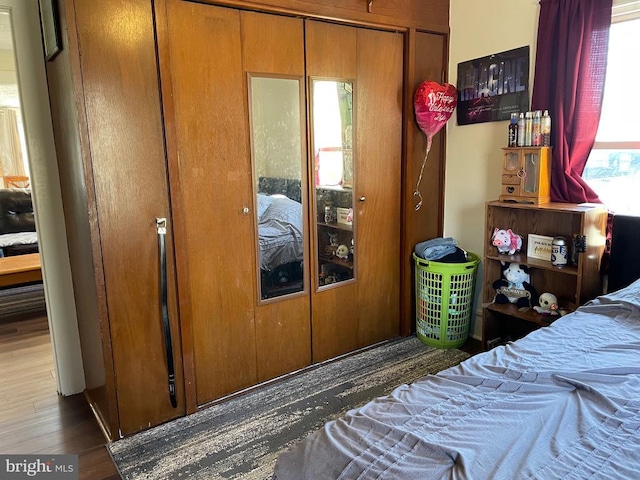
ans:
x=214 y=174
x=428 y=63
x=331 y=53
x=331 y=50
x=124 y=128
x=428 y=222
x=274 y=46
x=378 y=180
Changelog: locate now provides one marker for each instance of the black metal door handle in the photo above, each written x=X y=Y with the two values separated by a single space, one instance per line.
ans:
x=161 y=226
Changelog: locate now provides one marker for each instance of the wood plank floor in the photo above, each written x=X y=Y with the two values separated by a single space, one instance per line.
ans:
x=33 y=417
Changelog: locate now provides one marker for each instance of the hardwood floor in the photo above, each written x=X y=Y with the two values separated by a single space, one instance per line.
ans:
x=33 y=417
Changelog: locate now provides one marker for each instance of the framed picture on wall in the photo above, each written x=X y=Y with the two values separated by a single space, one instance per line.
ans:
x=50 y=28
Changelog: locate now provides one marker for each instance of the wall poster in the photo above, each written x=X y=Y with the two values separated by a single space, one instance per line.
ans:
x=491 y=88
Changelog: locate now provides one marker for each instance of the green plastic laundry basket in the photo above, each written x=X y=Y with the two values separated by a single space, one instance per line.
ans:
x=444 y=300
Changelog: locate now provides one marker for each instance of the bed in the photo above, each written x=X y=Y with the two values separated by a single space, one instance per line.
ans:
x=562 y=402
x=279 y=231
x=280 y=237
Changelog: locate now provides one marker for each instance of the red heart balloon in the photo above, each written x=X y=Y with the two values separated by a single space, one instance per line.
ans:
x=434 y=104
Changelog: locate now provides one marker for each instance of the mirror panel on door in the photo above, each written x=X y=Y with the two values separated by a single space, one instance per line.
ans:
x=276 y=140
x=332 y=130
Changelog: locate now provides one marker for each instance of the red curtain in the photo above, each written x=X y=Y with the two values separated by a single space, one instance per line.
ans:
x=571 y=62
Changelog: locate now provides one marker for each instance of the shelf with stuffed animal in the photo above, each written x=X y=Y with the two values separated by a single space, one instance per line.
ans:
x=508 y=246
x=506 y=241
x=515 y=287
x=509 y=313
x=548 y=306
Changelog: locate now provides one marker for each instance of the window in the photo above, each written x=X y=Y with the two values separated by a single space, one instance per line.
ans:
x=613 y=167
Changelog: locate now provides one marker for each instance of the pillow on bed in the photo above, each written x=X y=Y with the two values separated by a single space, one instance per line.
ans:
x=263 y=203
x=280 y=233
x=283 y=209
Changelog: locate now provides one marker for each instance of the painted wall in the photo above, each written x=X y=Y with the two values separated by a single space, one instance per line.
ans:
x=474 y=157
x=7 y=68
x=47 y=198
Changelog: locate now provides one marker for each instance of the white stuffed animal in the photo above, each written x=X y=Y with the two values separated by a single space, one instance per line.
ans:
x=548 y=304
x=342 y=252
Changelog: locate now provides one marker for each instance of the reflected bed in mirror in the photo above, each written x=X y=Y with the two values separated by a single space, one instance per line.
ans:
x=278 y=157
x=280 y=237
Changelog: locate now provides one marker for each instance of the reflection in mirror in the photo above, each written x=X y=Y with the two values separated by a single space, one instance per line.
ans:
x=333 y=152
x=277 y=161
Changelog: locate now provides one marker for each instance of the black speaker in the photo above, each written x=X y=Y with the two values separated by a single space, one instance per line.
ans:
x=624 y=263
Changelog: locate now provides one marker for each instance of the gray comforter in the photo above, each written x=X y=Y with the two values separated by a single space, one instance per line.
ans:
x=563 y=402
x=279 y=231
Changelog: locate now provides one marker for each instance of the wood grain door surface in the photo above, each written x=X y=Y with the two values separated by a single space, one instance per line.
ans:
x=124 y=127
x=331 y=54
x=213 y=173
x=274 y=46
x=350 y=315
x=238 y=340
x=379 y=99
x=225 y=338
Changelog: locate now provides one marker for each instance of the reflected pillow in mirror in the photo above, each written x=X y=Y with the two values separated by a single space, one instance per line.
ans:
x=263 y=203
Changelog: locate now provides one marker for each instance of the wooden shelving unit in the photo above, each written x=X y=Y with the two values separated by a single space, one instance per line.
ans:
x=572 y=284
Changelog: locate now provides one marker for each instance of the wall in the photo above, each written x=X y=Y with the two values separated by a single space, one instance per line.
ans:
x=54 y=251
x=474 y=158
x=63 y=97
x=7 y=68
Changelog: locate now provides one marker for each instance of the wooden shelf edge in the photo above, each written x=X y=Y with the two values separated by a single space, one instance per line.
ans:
x=523 y=259
x=336 y=261
x=529 y=315
x=337 y=226
x=558 y=207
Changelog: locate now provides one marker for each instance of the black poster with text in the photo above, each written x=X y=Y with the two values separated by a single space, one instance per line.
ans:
x=491 y=88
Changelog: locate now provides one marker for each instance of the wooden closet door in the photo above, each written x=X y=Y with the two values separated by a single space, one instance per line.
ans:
x=273 y=46
x=208 y=146
x=378 y=180
x=124 y=134
x=357 y=313
x=331 y=53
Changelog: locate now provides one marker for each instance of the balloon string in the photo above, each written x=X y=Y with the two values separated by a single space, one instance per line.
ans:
x=424 y=162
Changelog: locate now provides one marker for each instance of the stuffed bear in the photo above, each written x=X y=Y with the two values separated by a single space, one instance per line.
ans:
x=514 y=286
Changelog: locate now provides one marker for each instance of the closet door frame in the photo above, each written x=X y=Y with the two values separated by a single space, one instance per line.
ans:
x=426 y=59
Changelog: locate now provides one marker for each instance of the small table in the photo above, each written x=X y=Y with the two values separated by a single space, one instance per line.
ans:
x=20 y=269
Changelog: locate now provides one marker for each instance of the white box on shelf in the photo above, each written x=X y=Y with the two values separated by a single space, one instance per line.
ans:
x=539 y=246
x=345 y=215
